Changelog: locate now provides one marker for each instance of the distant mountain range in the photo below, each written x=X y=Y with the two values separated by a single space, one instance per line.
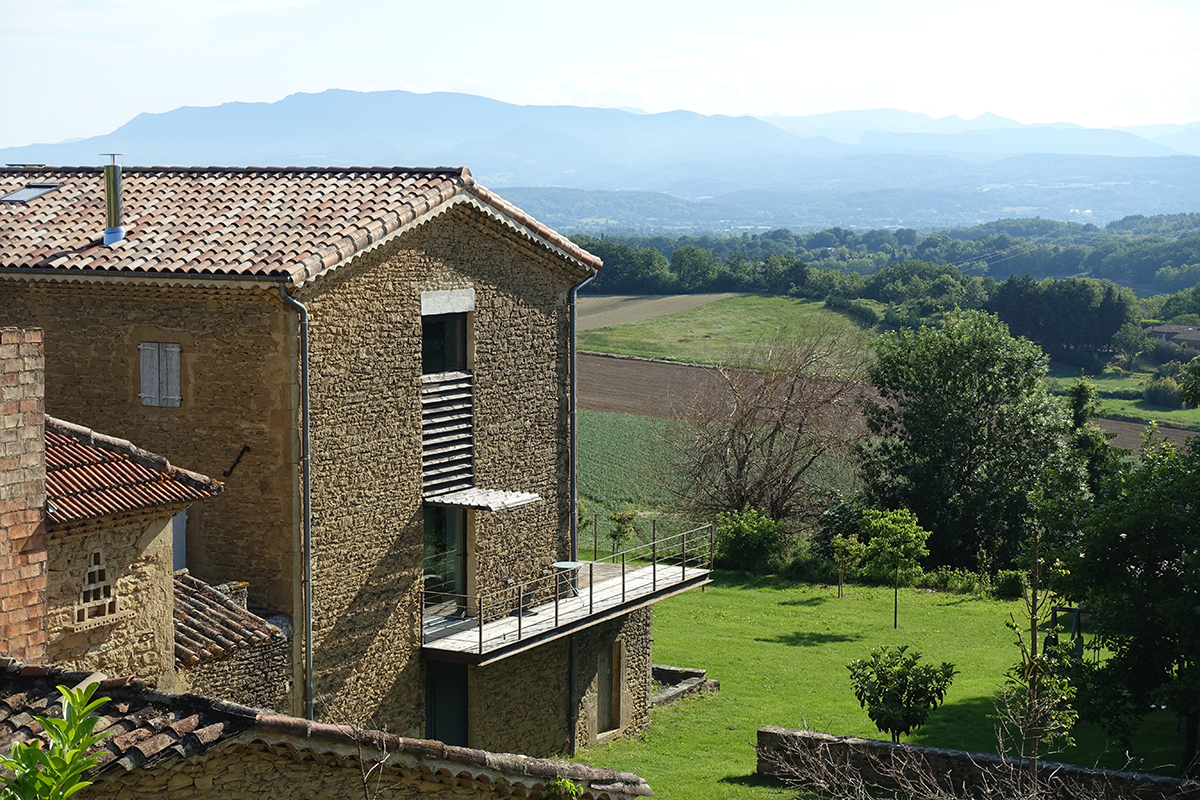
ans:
x=594 y=169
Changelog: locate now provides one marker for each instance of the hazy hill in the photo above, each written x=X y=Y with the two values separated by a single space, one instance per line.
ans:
x=880 y=167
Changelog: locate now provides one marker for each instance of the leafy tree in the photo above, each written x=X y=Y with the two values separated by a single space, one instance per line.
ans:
x=762 y=433
x=1091 y=445
x=964 y=430
x=56 y=772
x=1034 y=703
x=1138 y=571
x=1189 y=382
x=696 y=268
x=1130 y=341
x=897 y=692
x=895 y=544
x=749 y=541
x=848 y=553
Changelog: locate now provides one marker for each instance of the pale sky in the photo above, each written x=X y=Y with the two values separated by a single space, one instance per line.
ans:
x=77 y=68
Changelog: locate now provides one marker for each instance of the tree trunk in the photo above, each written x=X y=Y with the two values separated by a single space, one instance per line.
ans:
x=1190 y=767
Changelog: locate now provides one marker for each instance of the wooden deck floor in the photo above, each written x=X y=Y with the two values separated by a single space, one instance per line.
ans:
x=451 y=635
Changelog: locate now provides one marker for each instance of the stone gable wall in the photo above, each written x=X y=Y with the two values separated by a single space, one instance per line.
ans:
x=140 y=639
x=22 y=494
x=365 y=335
x=259 y=676
x=238 y=350
x=634 y=630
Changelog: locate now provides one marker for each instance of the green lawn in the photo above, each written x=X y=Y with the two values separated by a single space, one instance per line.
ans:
x=711 y=333
x=779 y=651
x=1113 y=379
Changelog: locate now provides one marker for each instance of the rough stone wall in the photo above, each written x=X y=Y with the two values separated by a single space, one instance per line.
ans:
x=237 y=389
x=140 y=639
x=365 y=334
x=22 y=494
x=522 y=704
x=634 y=631
x=964 y=768
x=258 y=676
x=258 y=773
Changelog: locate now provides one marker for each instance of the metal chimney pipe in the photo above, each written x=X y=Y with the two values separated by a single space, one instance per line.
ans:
x=115 y=232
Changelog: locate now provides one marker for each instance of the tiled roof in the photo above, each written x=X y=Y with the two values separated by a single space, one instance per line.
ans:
x=209 y=625
x=90 y=475
x=150 y=726
x=146 y=725
x=256 y=222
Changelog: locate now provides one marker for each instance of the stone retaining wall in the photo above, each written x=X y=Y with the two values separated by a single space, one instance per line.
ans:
x=867 y=757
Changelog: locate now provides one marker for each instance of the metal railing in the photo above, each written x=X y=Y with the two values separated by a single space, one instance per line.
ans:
x=559 y=595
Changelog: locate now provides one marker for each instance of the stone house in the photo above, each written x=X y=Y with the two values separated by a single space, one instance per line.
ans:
x=378 y=363
x=86 y=536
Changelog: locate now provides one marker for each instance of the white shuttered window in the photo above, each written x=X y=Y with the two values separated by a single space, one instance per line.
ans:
x=160 y=373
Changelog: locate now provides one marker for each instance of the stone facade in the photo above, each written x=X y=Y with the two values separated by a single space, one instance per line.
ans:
x=237 y=354
x=136 y=556
x=365 y=341
x=22 y=494
x=632 y=686
x=258 y=676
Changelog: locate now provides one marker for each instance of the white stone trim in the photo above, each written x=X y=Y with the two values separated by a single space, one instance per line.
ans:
x=454 y=301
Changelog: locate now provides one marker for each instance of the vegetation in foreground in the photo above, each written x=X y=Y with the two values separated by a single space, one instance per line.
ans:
x=780 y=651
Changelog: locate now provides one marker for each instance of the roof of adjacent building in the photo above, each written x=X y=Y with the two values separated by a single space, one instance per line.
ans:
x=268 y=223
x=149 y=727
x=209 y=625
x=90 y=475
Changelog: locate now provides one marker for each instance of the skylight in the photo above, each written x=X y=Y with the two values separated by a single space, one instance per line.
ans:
x=29 y=192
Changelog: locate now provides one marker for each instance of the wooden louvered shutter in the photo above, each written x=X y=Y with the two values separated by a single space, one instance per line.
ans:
x=148 y=356
x=168 y=374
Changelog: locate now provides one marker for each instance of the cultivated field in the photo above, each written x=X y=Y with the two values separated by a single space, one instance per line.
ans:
x=617 y=309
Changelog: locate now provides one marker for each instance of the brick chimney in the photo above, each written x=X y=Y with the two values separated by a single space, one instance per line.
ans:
x=22 y=494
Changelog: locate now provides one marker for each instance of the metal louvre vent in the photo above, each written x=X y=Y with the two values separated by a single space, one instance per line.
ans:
x=447 y=454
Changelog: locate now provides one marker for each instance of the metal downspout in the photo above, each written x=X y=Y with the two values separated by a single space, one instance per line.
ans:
x=306 y=511
x=574 y=689
x=574 y=297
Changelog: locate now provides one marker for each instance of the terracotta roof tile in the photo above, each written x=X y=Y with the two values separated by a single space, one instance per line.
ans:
x=210 y=626
x=283 y=223
x=90 y=475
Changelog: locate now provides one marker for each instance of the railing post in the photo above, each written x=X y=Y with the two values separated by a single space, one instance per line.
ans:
x=595 y=536
x=622 y=577
x=480 y=618
x=520 y=610
x=591 y=587
x=653 y=562
x=683 y=555
x=557 y=591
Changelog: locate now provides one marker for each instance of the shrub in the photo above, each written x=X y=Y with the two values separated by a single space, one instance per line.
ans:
x=1010 y=584
x=1162 y=392
x=897 y=692
x=853 y=308
x=749 y=541
x=952 y=579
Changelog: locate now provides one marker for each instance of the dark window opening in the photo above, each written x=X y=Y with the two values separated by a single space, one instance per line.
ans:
x=446 y=703
x=443 y=343
x=445 y=567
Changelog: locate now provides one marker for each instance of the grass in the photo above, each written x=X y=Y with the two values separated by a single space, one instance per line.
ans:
x=779 y=651
x=616 y=457
x=1112 y=379
x=709 y=334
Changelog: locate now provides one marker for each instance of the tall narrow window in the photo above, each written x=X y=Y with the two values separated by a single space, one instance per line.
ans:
x=160 y=373
x=447 y=405
x=445 y=567
x=443 y=343
x=608 y=689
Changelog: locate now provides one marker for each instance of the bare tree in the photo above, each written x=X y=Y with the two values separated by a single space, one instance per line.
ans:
x=768 y=430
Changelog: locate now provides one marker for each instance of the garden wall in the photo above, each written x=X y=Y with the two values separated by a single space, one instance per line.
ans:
x=779 y=750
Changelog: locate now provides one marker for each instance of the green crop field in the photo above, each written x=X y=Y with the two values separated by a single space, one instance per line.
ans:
x=617 y=456
x=711 y=333
x=779 y=650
